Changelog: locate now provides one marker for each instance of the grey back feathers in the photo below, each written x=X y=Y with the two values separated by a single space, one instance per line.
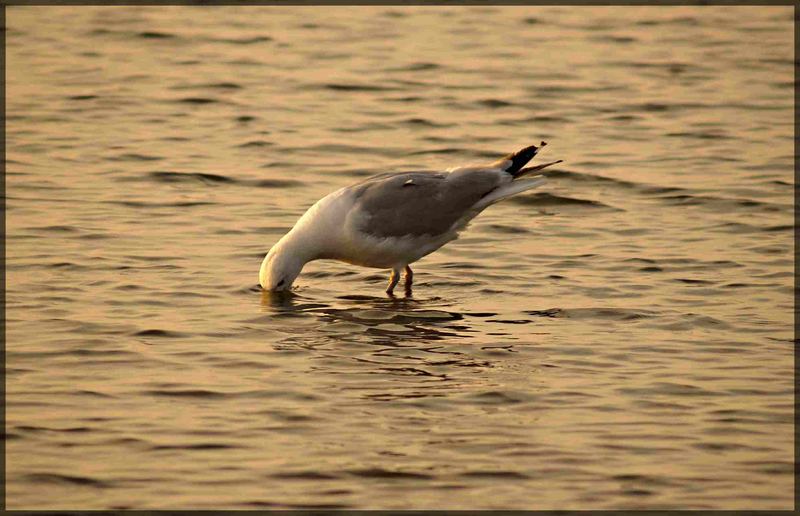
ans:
x=427 y=203
x=420 y=203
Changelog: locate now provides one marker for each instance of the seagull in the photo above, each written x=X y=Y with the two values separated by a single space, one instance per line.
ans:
x=391 y=220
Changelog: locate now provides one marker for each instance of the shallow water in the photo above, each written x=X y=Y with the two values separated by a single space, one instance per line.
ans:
x=620 y=338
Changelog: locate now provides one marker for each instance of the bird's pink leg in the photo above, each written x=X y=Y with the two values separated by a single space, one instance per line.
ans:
x=409 y=280
x=393 y=279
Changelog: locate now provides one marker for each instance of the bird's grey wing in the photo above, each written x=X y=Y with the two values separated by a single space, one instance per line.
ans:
x=420 y=203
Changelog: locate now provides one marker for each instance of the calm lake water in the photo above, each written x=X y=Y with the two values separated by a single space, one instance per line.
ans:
x=620 y=338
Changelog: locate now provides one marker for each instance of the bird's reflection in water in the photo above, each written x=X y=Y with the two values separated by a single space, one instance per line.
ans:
x=292 y=301
x=285 y=301
x=387 y=347
x=370 y=312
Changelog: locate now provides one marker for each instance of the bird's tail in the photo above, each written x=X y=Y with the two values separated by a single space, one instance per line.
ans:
x=507 y=190
x=527 y=171
x=514 y=162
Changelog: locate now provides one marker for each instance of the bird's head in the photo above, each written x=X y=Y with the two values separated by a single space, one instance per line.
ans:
x=280 y=268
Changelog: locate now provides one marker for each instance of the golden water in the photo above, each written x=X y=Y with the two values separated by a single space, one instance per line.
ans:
x=620 y=338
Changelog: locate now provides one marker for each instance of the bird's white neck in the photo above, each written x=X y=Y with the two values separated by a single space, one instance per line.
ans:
x=286 y=259
x=314 y=236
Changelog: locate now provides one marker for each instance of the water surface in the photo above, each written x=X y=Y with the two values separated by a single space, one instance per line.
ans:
x=620 y=338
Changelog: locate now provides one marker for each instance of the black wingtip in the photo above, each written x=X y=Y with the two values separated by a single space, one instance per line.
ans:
x=521 y=158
